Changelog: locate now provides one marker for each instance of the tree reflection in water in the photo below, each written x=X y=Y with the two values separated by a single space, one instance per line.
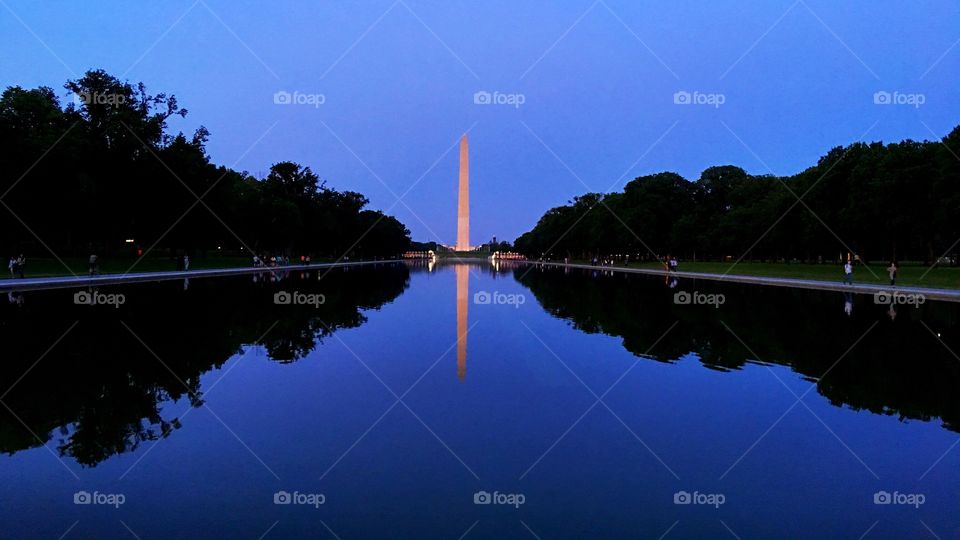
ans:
x=95 y=378
x=899 y=367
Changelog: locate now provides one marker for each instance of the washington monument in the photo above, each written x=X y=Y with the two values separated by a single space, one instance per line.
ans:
x=463 y=205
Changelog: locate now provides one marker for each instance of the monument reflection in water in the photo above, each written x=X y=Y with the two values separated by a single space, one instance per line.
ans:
x=700 y=385
x=463 y=292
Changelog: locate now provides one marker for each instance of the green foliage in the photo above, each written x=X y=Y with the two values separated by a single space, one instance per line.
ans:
x=898 y=201
x=101 y=169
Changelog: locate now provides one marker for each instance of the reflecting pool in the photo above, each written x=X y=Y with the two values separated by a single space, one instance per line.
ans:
x=409 y=400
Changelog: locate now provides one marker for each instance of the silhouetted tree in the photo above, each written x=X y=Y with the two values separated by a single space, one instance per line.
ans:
x=86 y=176
x=895 y=201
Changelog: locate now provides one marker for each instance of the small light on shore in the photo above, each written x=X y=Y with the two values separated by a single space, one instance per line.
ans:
x=129 y=240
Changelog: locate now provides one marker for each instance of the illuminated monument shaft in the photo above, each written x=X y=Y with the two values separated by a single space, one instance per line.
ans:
x=463 y=206
x=463 y=244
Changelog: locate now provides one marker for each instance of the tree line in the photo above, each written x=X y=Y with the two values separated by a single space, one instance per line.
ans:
x=898 y=201
x=100 y=169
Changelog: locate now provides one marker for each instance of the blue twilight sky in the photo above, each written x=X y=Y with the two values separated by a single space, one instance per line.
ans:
x=597 y=79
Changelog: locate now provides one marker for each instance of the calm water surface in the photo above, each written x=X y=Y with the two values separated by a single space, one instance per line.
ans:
x=577 y=404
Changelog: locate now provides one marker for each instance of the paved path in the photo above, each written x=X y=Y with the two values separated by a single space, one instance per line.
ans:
x=949 y=295
x=114 y=279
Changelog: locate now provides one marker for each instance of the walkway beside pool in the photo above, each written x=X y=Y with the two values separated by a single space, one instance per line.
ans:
x=63 y=282
x=948 y=295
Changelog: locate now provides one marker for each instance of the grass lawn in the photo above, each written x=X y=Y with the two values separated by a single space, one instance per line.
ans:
x=942 y=277
x=52 y=267
x=463 y=255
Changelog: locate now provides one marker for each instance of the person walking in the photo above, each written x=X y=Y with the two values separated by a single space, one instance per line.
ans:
x=92 y=266
x=12 y=266
x=21 y=263
x=848 y=273
x=186 y=262
x=892 y=270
